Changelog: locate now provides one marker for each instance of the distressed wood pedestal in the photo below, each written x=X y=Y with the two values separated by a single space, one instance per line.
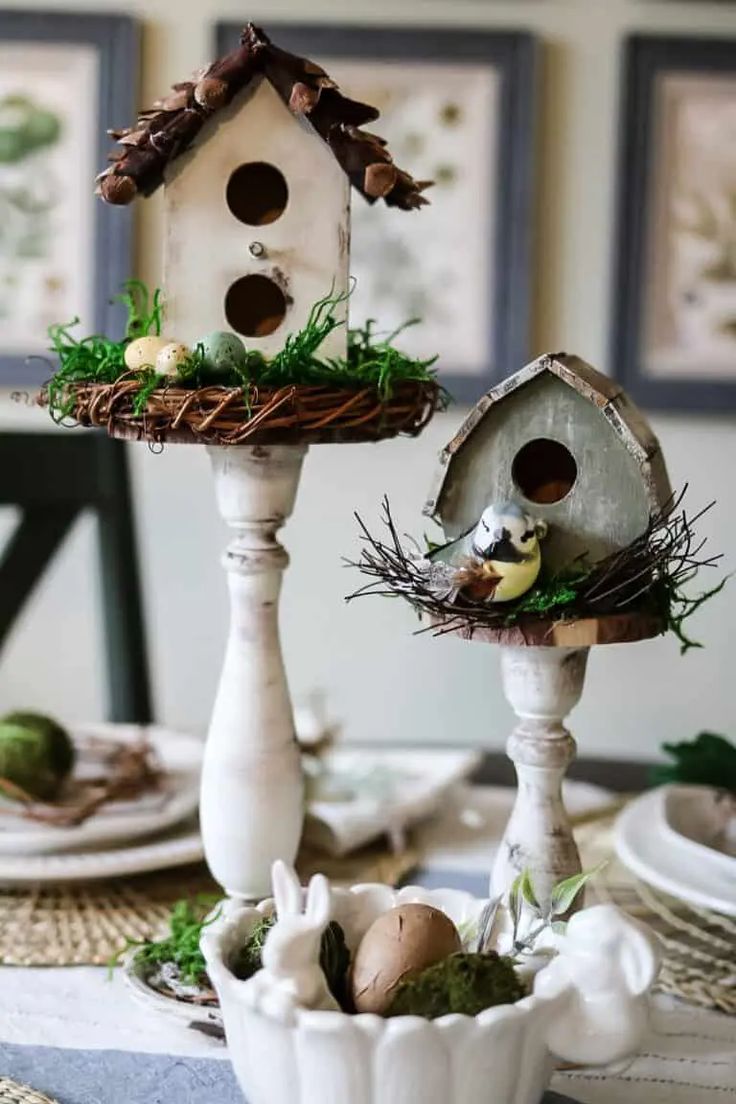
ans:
x=252 y=798
x=543 y=670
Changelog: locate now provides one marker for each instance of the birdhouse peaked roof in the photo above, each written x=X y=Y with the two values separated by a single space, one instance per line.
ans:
x=626 y=420
x=171 y=126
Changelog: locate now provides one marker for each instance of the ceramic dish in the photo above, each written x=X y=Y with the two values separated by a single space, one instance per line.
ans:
x=198 y=1017
x=180 y=756
x=665 y=857
x=180 y=846
x=588 y=1005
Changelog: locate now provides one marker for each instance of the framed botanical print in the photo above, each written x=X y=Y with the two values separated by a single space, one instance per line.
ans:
x=457 y=106
x=64 y=79
x=674 y=309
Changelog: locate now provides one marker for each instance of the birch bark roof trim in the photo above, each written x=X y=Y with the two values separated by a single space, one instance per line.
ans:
x=172 y=125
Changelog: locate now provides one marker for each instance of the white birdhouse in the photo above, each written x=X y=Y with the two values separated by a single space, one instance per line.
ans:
x=257 y=226
x=567 y=445
x=256 y=154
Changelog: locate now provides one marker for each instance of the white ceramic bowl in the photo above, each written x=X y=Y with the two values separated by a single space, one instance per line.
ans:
x=588 y=1005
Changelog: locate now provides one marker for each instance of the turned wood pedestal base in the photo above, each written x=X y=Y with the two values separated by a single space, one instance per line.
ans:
x=543 y=669
x=252 y=798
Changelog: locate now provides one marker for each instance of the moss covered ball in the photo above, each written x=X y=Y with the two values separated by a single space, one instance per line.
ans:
x=36 y=753
x=463 y=983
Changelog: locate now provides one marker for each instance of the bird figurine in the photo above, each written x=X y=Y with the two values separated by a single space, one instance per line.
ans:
x=497 y=561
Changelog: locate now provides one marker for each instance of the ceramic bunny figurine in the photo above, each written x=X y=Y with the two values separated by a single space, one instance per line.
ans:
x=291 y=976
x=608 y=960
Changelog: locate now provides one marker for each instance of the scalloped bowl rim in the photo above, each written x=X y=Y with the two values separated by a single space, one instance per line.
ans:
x=237 y=916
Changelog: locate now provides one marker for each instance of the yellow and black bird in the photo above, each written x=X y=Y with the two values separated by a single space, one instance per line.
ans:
x=500 y=561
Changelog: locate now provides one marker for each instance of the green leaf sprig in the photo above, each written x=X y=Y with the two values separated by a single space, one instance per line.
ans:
x=561 y=900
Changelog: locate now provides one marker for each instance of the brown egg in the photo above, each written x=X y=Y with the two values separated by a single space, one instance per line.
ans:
x=399 y=944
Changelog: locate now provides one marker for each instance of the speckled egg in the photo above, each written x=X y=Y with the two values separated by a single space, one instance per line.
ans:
x=170 y=359
x=222 y=351
x=142 y=352
x=398 y=945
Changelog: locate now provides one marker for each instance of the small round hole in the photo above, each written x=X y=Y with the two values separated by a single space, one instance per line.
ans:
x=544 y=470
x=255 y=306
x=257 y=193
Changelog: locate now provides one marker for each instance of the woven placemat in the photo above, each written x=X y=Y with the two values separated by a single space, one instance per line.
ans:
x=698 y=945
x=13 y=1093
x=87 y=923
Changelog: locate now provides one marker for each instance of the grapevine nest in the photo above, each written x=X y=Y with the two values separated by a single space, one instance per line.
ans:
x=298 y=395
x=237 y=415
x=646 y=579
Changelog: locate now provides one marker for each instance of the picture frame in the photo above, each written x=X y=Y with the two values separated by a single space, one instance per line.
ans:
x=472 y=289
x=673 y=334
x=65 y=78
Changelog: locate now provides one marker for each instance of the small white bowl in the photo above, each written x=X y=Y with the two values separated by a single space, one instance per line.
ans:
x=588 y=1005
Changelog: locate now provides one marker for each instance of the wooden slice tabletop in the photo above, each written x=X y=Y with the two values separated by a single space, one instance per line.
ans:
x=615 y=628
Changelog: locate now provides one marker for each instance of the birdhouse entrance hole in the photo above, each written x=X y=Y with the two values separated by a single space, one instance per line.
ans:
x=255 y=306
x=544 y=470
x=257 y=193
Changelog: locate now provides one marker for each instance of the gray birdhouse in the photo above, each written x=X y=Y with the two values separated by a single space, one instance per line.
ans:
x=568 y=445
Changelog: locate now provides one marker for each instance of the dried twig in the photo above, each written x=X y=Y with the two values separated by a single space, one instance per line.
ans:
x=647 y=575
x=133 y=770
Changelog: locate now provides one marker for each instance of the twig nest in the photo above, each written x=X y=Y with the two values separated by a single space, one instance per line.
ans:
x=222 y=352
x=142 y=352
x=398 y=945
x=170 y=359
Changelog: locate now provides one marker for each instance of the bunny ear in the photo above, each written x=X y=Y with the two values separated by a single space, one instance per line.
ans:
x=319 y=901
x=287 y=891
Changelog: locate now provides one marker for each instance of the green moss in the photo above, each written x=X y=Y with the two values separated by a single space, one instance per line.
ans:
x=708 y=760
x=25 y=760
x=181 y=945
x=247 y=961
x=58 y=744
x=463 y=983
x=370 y=362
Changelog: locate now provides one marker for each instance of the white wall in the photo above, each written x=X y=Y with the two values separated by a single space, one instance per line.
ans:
x=384 y=683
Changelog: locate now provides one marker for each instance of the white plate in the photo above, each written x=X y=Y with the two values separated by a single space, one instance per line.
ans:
x=664 y=858
x=204 y=1018
x=181 y=757
x=179 y=847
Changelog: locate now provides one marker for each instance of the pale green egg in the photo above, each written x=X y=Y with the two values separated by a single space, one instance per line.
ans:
x=170 y=359
x=142 y=352
x=222 y=352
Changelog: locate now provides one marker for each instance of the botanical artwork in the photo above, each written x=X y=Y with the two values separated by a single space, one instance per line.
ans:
x=691 y=279
x=441 y=119
x=48 y=120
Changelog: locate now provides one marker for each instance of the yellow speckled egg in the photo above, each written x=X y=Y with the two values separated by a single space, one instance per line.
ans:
x=170 y=359
x=142 y=352
x=398 y=945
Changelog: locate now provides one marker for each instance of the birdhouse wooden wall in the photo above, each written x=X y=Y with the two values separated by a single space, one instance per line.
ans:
x=585 y=463
x=257 y=227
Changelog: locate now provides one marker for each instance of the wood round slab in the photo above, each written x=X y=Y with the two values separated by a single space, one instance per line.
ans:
x=615 y=628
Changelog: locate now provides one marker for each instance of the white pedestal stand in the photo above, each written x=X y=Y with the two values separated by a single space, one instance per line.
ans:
x=252 y=796
x=542 y=684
